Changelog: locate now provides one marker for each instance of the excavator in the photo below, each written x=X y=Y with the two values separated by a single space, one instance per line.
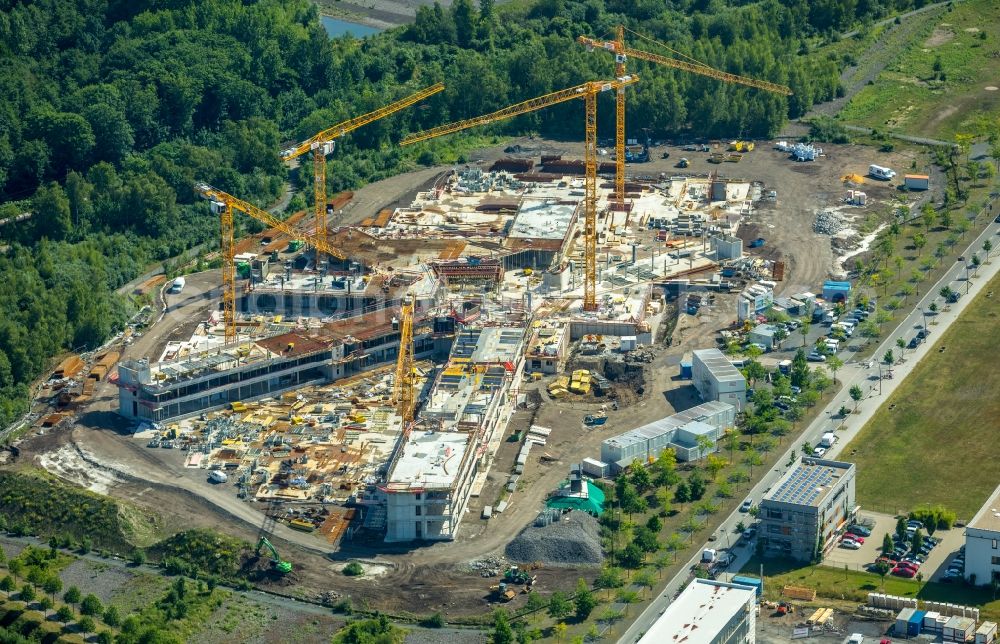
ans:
x=276 y=562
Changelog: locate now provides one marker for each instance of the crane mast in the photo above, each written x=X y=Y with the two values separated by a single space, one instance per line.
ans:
x=587 y=91
x=622 y=53
x=223 y=204
x=403 y=390
x=321 y=144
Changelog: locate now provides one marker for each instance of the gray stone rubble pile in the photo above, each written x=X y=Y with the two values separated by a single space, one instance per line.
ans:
x=574 y=539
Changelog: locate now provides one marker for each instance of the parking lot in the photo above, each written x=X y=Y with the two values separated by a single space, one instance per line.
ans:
x=882 y=524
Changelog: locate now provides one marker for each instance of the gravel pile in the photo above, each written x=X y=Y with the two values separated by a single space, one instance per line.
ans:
x=572 y=540
x=488 y=567
x=827 y=224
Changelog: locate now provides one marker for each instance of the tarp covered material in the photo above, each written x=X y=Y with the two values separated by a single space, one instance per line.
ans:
x=593 y=504
x=853 y=178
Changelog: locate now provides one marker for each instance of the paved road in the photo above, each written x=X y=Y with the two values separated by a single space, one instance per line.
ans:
x=852 y=374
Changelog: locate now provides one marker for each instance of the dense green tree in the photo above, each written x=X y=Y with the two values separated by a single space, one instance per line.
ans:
x=583 y=600
x=559 y=605
x=91 y=605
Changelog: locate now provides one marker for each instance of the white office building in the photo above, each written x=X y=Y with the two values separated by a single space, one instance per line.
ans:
x=715 y=378
x=708 y=612
x=982 y=543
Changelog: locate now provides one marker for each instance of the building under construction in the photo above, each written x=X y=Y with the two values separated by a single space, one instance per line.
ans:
x=444 y=457
x=258 y=368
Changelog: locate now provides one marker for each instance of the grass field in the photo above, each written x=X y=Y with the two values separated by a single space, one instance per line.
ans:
x=937 y=444
x=909 y=97
x=854 y=586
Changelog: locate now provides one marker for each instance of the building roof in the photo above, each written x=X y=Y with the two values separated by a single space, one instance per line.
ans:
x=916 y=176
x=700 y=612
x=291 y=345
x=542 y=219
x=767 y=330
x=718 y=364
x=428 y=460
x=808 y=482
x=592 y=502
x=988 y=517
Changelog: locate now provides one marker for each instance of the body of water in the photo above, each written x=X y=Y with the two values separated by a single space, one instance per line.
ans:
x=337 y=28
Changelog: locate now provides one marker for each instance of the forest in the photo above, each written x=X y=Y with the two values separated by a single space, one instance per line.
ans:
x=110 y=110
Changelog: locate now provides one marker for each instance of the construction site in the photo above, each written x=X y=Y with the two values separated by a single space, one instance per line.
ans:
x=443 y=367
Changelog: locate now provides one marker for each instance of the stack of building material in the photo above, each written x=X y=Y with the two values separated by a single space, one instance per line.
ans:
x=580 y=382
x=538 y=434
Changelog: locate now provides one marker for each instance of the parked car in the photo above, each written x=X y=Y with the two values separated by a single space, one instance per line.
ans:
x=746 y=505
x=850 y=545
x=908 y=564
x=904 y=572
x=816 y=357
x=856 y=638
x=860 y=529
x=749 y=534
x=853 y=537
x=922 y=334
x=819 y=452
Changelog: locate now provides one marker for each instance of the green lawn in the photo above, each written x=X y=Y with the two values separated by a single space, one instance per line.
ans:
x=937 y=444
x=833 y=583
x=909 y=97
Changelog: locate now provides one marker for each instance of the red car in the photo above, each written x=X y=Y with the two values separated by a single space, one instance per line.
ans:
x=909 y=573
x=908 y=564
x=853 y=537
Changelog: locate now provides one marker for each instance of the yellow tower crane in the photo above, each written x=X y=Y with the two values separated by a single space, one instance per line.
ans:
x=403 y=386
x=322 y=144
x=224 y=204
x=622 y=54
x=587 y=91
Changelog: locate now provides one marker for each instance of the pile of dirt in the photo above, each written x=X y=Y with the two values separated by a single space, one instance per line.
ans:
x=572 y=540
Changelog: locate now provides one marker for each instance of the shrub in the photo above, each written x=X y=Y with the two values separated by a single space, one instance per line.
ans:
x=434 y=621
x=353 y=569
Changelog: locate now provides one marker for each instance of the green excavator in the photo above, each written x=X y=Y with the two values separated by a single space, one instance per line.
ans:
x=276 y=562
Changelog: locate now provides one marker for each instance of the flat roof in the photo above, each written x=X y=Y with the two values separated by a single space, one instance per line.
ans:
x=489 y=344
x=718 y=364
x=429 y=460
x=988 y=517
x=543 y=219
x=809 y=482
x=693 y=419
x=700 y=612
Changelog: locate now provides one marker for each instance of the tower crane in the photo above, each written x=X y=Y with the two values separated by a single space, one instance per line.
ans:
x=622 y=53
x=587 y=91
x=321 y=145
x=403 y=386
x=223 y=204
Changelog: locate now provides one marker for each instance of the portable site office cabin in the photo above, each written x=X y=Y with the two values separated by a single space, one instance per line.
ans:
x=916 y=181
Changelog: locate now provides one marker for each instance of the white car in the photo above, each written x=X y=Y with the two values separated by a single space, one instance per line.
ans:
x=746 y=505
x=850 y=545
x=819 y=452
x=856 y=638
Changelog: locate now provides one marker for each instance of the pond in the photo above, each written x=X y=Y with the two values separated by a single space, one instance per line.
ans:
x=337 y=28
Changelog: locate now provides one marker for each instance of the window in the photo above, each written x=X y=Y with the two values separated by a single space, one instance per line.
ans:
x=773 y=514
x=994 y=544
x=417 y=510
x=995 y=561
x=417 y=496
